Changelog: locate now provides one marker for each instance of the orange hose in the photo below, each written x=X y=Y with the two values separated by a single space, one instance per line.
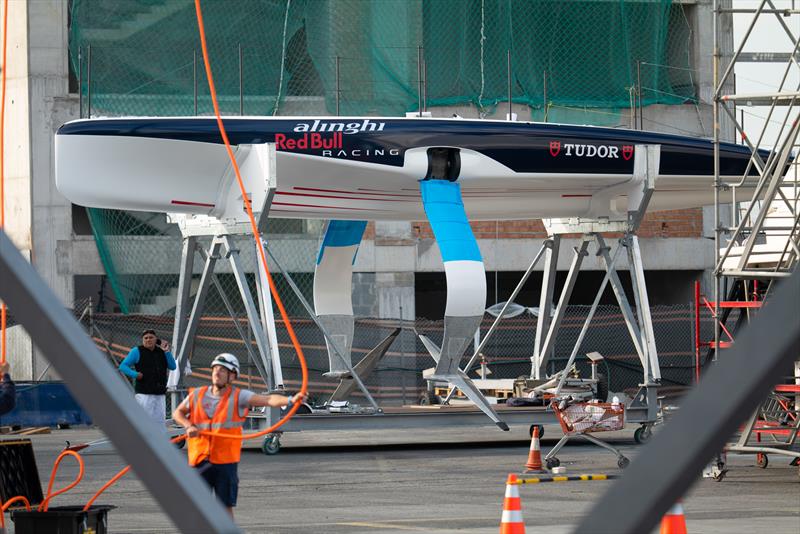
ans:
x=261 y=256
x=46 y=502
x=15 y=499
x=106 y=486
x=2 y=169
x=253 y=227
x=9 y=503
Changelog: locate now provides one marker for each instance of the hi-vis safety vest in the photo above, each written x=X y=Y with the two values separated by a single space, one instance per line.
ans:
x=226 y=420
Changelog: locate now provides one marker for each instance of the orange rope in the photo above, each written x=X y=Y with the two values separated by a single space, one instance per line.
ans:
x=2 y=169
x=261 y=255
x=46 y=502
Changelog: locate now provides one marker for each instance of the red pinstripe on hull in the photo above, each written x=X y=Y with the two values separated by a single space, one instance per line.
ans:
x=187 y=203
x=323 y=207
x=342 y=197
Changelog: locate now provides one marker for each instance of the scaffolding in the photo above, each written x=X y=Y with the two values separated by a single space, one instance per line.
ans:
x=761 y=244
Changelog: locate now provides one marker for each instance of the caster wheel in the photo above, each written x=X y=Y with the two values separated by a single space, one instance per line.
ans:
x=642 y=435
x=623 y=462
x=429 y=399
x=762 y=460
x=271 y=445
x=541 y=430
x=552 y=462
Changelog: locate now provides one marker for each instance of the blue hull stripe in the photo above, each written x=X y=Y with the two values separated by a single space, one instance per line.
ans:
x=342 y=234
x=445 y=211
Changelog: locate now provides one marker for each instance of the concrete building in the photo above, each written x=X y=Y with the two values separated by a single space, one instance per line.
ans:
x=398 y=269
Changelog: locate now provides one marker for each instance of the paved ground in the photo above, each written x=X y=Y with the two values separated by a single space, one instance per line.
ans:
x=321 y=483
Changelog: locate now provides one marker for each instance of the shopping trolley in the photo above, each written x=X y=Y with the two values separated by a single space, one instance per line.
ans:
x=584 y=418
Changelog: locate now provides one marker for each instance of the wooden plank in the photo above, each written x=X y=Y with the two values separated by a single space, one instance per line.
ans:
x=36 y=431
x=29 y=431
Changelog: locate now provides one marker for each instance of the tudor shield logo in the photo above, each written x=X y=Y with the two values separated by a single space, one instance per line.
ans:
x=627 y=152
x=555 y=148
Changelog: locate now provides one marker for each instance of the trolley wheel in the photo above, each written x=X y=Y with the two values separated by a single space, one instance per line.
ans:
x=623 y=462
x=642 y=434
x=762 y=460
x=271 y=445
x=552 y=462
x=541 y=430
x=429 y=399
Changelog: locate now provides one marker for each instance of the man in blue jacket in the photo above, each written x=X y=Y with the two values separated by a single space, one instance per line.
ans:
x=8 y=396
x=149 y=364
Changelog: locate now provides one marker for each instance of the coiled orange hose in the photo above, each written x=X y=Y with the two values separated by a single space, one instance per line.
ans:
x=9 y=503
x=15 y=499
x=48 y=496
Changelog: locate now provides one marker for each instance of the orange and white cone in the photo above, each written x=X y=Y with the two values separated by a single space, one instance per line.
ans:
x=511 y=521
x=674 y=522
x=534 y=464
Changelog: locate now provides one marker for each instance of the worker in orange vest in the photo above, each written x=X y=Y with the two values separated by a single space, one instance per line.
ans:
x=221 y=407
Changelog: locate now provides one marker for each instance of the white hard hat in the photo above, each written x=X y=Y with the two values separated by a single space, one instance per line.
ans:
x=228 y=361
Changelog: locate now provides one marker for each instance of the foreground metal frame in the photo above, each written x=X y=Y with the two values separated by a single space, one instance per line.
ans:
x=710 y=415
x=101 y=391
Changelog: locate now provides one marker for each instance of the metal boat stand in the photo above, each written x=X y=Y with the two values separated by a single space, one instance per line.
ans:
x=643 y=408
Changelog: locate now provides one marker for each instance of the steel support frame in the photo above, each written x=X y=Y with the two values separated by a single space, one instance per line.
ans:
x=265 y=364
x=263 y=358
x=546 y=350
x=186 y=343
x=639 y=327
x=268 y=319
x=188 y=247
x=100 y=389
x=543 y=322
x=778 y=447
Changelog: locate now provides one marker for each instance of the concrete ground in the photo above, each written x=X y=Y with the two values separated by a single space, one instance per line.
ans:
x=360 y=482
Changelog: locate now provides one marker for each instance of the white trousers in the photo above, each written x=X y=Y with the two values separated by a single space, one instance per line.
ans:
x=155 y=406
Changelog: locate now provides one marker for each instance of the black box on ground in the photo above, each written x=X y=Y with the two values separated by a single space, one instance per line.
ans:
x=62 y=520
x=18 y=473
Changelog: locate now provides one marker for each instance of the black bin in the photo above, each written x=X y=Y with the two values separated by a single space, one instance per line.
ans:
x=62 y=520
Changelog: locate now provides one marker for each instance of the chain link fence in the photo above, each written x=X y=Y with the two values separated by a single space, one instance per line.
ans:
x=398 y=379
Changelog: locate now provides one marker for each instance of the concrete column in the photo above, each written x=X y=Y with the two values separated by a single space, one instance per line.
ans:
x=38 y=218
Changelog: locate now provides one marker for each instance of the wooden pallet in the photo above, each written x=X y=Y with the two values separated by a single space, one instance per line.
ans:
x=499 y=394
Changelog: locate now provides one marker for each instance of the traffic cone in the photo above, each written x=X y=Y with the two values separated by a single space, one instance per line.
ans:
x=511 y=520
x=673 y=521
x=534 y=464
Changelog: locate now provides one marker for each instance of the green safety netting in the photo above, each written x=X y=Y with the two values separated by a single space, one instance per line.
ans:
x=282 y=55
x=571 y=61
